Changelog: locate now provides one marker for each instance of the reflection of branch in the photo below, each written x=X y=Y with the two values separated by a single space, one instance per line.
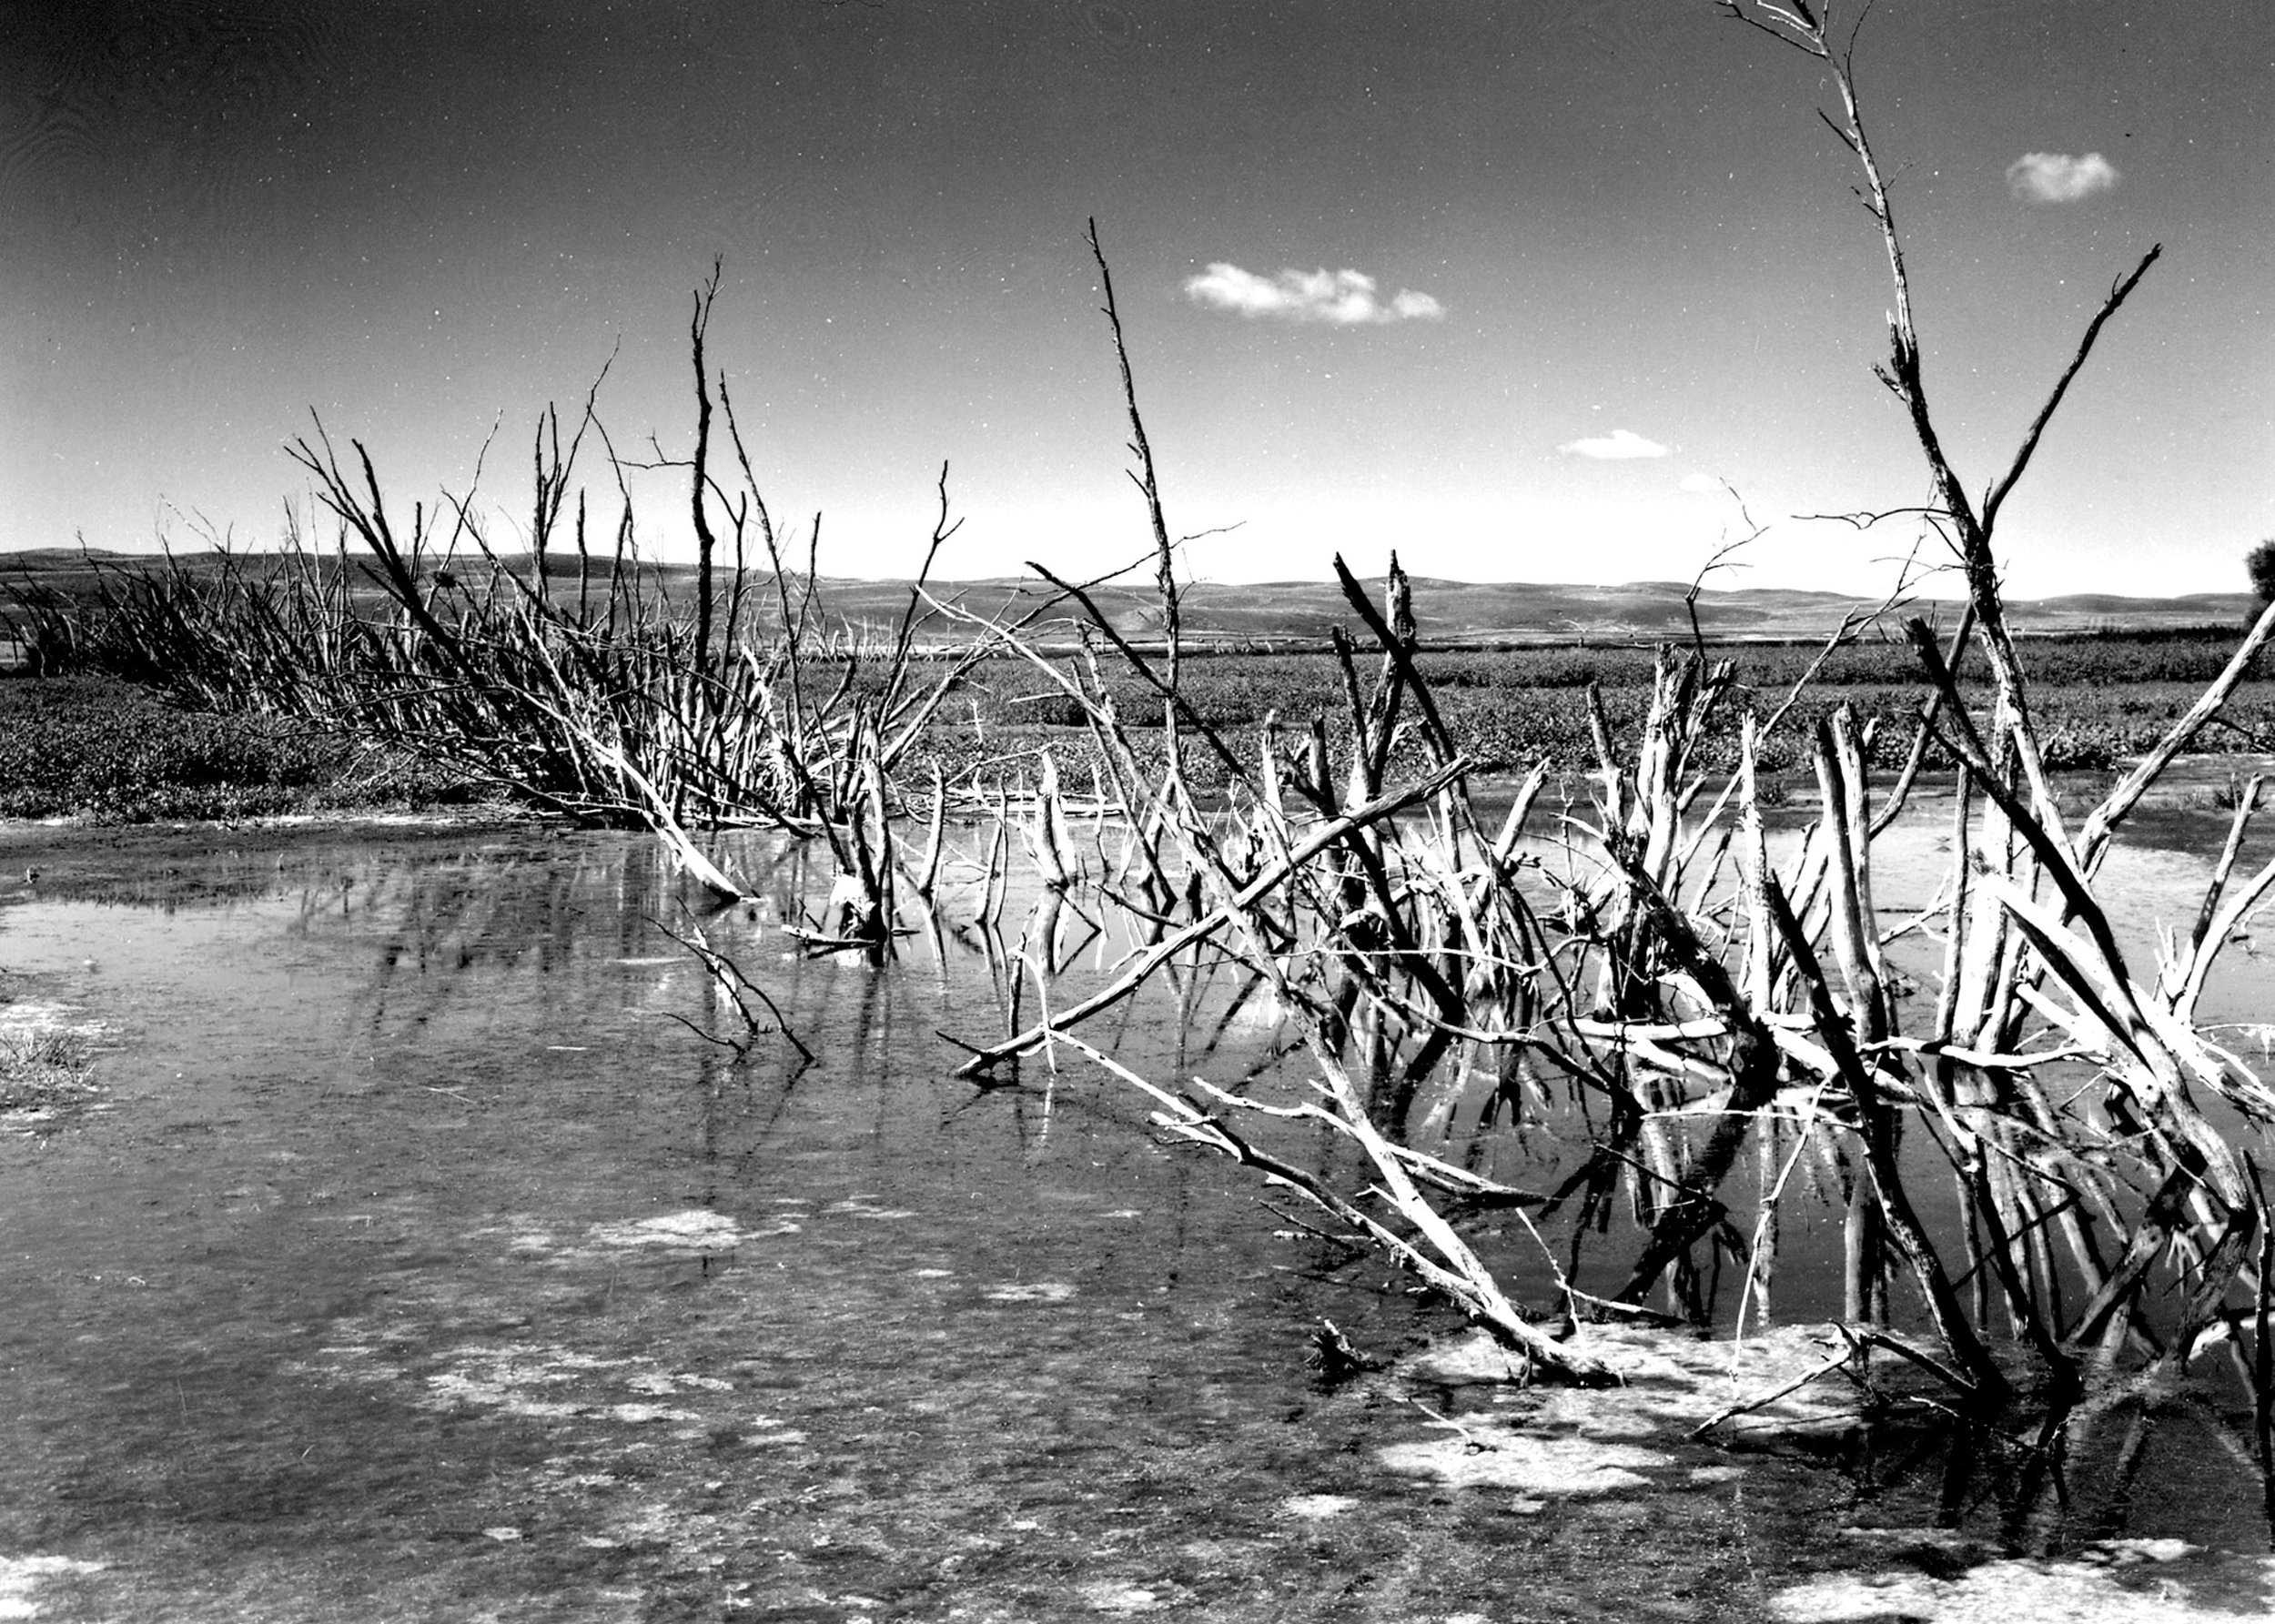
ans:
x=728 y=977
x=1446 y=1264
x=1982 y=1381
x=1455 y=1181
x=658 y=811
x=1267 y=879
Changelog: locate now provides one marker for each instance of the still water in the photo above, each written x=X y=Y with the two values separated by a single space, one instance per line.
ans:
x=423 y=1264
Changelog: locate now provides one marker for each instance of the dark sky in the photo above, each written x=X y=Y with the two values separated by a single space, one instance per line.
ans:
x=1616 y=226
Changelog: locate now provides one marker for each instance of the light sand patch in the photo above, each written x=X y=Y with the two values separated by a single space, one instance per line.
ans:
x=663 y=1384
x=1317 y=1508
x=1568 y=1442
x=2194 y=1589
x=1121 y=1598
x=640 y=1414
x=1673 y=1382
x=535 y=1381
x=1033 y=1291
x=1491 y=1456
x=1473 y=1356
x=510 y=1379
x=21 y=1578
x=456 y=1389
x=695 y=1230
x=864 y=1206
x=41 y=1017
x=2125 y=1553
x=358 y=1362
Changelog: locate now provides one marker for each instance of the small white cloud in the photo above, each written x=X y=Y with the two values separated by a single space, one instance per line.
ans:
x=1703 y=485
x=1340 y=298
x=2057 y=178
x=1621 y=445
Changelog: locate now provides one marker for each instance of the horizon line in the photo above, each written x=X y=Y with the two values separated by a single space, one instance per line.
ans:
x=1956 y=592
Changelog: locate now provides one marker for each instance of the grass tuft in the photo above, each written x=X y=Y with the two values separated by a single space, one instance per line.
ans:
x=41 y=1073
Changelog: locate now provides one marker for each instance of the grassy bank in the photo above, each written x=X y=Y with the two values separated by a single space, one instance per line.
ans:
x=103 y=749
x=97 y=748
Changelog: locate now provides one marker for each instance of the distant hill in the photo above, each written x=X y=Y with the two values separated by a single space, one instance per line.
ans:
x=1301 y=613
x=1461 y=611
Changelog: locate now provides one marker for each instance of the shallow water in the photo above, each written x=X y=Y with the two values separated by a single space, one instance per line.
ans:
x=425 y=1266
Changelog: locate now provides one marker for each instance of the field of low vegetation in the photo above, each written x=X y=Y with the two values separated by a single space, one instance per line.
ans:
x=2100 y=699
x=124 y=740
x=236 y=678
x=95 y=747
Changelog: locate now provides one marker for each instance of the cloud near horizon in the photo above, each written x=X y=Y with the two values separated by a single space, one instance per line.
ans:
x=1340 y=298
x=2058 y=178
x=1621 y=445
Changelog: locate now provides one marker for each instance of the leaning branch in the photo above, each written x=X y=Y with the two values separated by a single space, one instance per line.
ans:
x=1269 y=879
x=2118 y=296
x=1164 y=554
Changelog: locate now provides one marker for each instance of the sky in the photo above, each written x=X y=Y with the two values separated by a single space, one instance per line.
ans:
x=1523 y=291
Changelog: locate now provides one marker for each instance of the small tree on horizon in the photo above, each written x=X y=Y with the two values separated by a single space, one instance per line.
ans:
x=2260 y=562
